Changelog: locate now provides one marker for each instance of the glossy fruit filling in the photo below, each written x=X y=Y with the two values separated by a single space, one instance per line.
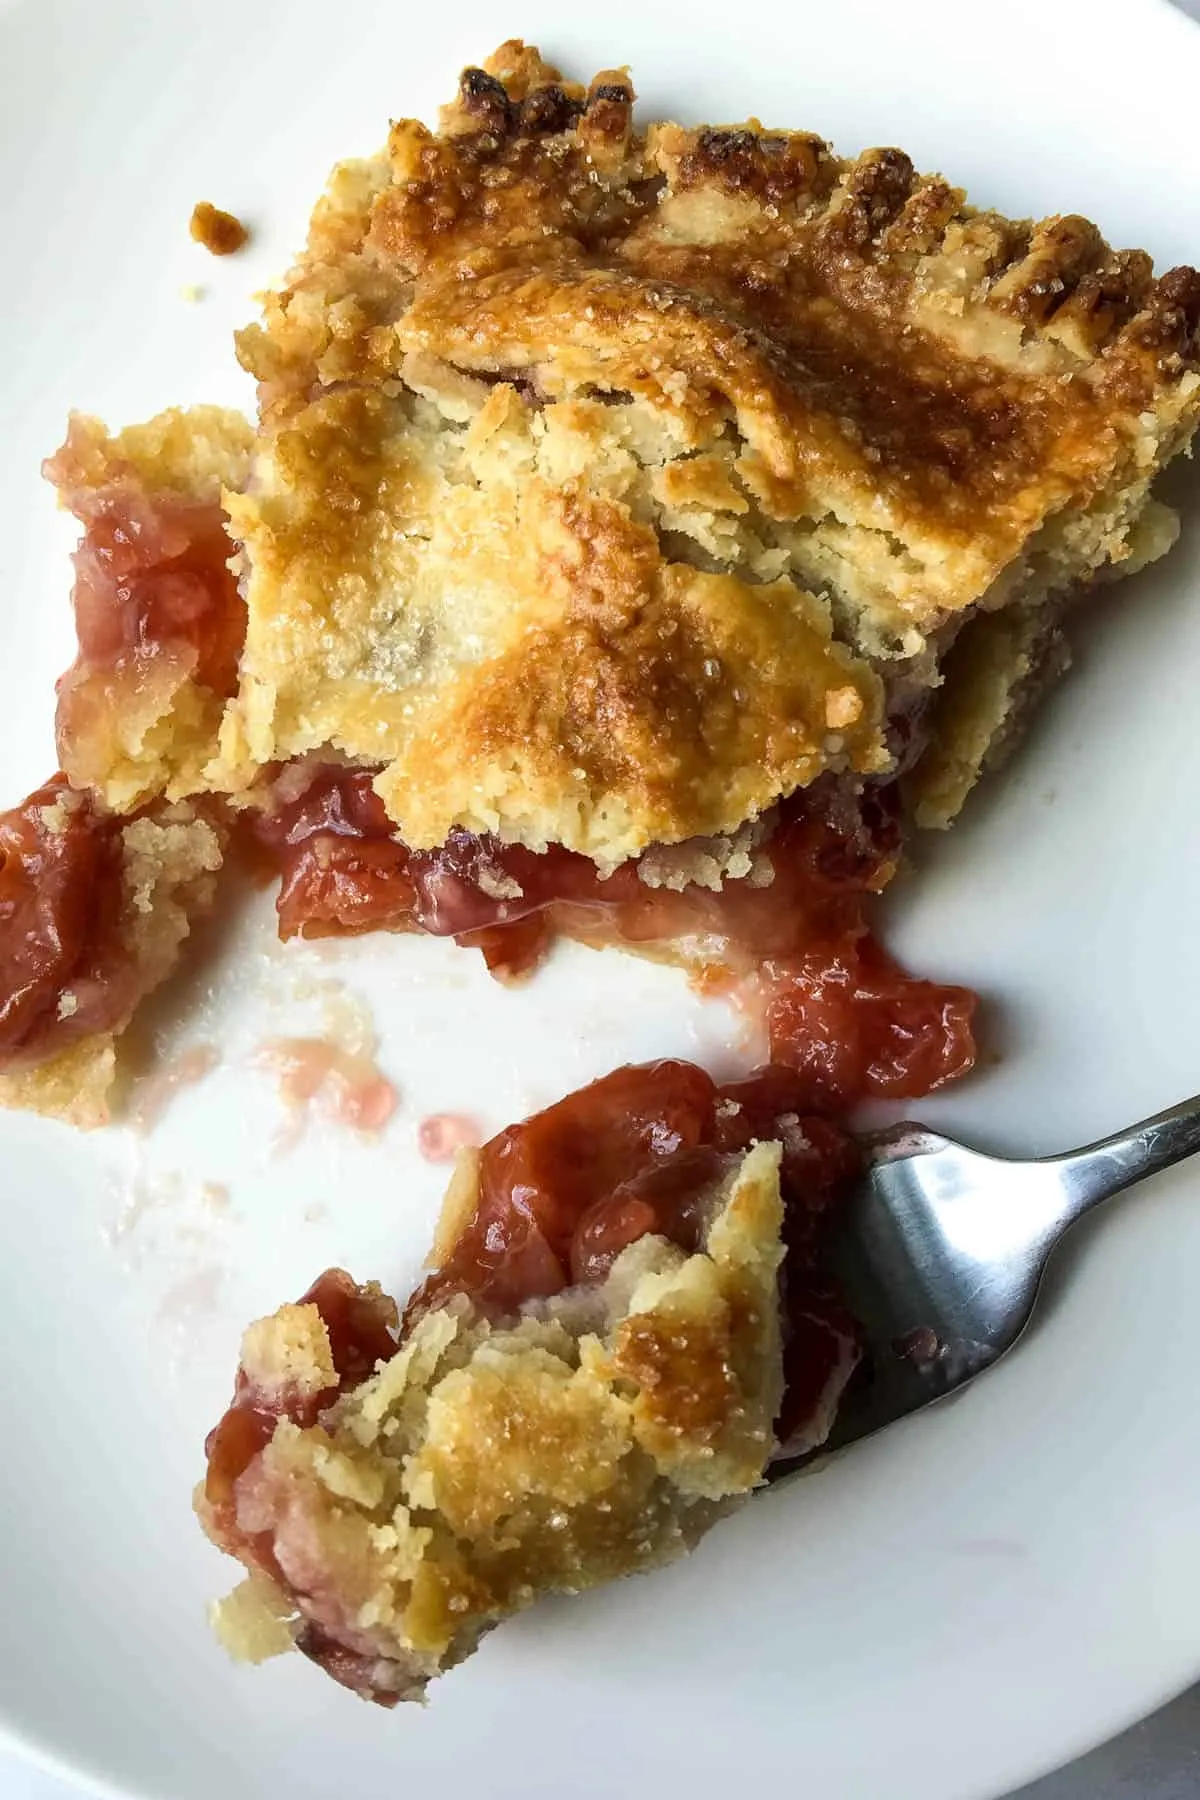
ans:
x=791 y=935
x=563 y=1193
x=345 y=870
x=64 y=970
x=559 y=1197
x=855 y=1026
x=155 y=606
x=362 y=1325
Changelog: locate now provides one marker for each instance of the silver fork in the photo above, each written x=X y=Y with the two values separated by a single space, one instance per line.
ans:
x=941 y=1250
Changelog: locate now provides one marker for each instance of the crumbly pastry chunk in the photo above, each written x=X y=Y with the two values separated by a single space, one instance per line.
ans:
x=104 y=869
x=491 y=612
x=158 y=616
x=486 y=1464
x=612 y=484
x=599 y=1365
x=94 y=910
x=221 y=233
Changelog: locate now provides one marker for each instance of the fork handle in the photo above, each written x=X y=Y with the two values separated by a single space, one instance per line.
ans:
x=1100 y=1170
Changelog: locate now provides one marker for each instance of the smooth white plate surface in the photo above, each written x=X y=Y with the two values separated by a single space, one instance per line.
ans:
x=953 y=1607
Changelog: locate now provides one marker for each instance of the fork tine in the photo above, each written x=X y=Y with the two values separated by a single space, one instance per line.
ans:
x=940 y=1252
x=889 y=1258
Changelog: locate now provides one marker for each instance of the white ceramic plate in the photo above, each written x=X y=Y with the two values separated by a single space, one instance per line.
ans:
x=953 y=1607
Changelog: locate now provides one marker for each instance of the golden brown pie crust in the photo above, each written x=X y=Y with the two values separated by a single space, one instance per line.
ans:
x=489 y=1464
x=577 y=440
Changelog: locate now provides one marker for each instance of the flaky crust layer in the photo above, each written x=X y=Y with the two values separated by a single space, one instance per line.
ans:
x=552 y=409
x=170 y=858
x=487 y=1465
x=133 y=740
x=490 y=610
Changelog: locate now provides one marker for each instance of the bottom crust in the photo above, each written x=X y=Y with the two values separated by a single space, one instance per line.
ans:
x=997 y=669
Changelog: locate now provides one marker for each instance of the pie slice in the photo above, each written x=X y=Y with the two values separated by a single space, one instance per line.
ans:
x=614 y=485
x=593 y=1373
x=645 y=525
x=642 y=528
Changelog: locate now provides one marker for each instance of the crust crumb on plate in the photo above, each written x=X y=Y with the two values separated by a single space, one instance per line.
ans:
x=221 y=233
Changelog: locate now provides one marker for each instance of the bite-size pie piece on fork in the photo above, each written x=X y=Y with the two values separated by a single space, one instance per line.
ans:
x=600 y=1365
x=626 y=499
x=102 y=875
